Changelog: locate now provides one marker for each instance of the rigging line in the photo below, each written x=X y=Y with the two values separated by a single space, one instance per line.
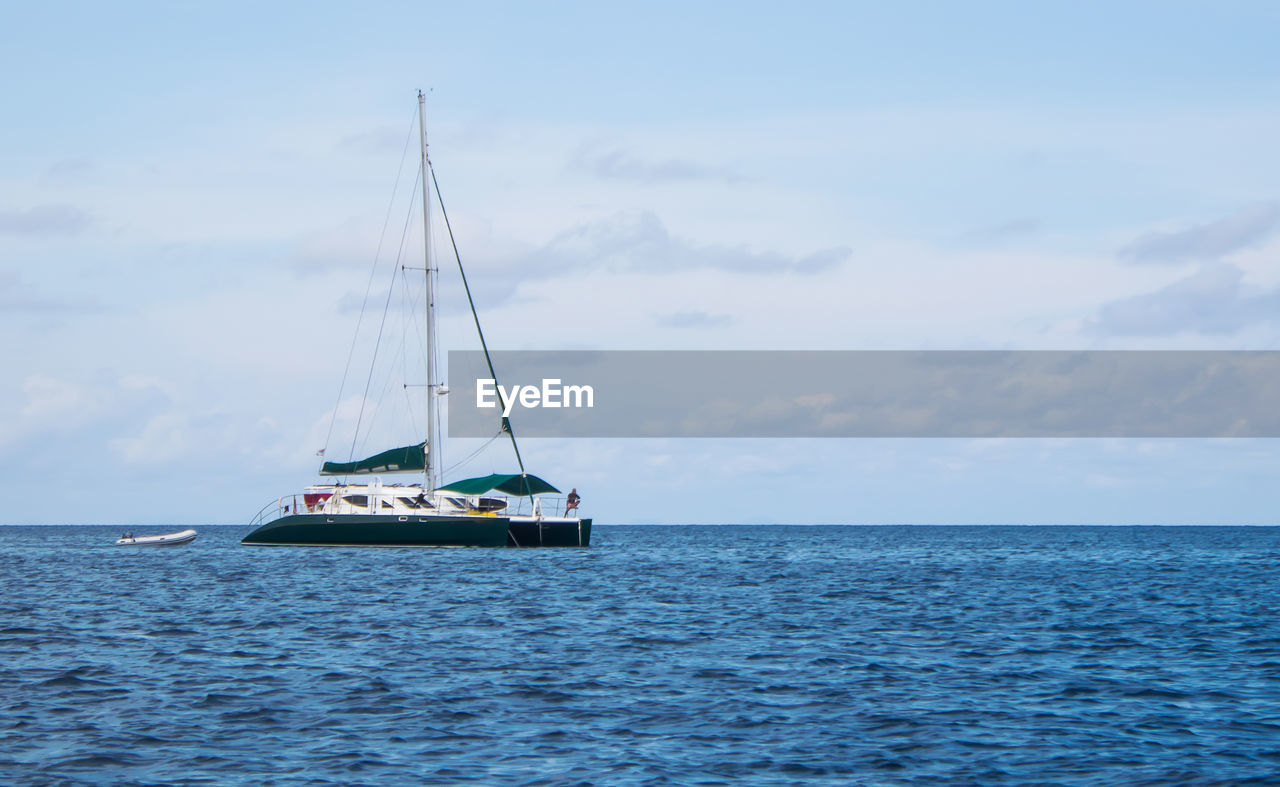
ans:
x=410 y=297
x=378 y=409
x=476 y=453
x=404 y=335
x=417 y=330
x=368 y=286
x=506 y=423
x=404 y=350
x=433 y=330
x=389 y=375
x=386 y=383
x=408 y=404
x=385 y=308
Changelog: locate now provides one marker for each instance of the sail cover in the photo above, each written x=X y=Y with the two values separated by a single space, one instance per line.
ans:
x=409 y=459
x=514 y=484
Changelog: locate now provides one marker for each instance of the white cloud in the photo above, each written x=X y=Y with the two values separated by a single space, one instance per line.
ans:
x=165 y=438
x=62 y=406
x=621 y=164
x=1244 y=229
x=1213 y=300
x=44 y=220
x=49 y=399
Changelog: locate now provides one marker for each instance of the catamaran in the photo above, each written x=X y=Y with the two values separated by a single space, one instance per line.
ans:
x=514 y=510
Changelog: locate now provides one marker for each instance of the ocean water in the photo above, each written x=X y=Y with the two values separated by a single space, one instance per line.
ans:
x=661 y=655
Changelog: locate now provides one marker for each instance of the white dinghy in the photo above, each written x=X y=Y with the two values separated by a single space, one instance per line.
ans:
x=168 y=539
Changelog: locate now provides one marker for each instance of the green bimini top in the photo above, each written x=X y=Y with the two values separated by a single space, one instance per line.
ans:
x=409 y=459
x=515 y=484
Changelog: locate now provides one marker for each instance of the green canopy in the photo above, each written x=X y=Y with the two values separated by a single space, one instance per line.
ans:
x=409 y=459
x=514 y=484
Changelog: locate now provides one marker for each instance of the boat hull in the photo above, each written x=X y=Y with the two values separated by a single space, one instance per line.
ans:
x=549 y=534
x=365 y=530
x=357 y=530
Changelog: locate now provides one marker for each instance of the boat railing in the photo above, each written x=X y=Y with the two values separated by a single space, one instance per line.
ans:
x=271 y=511
x=545 y=505
x=283 y=506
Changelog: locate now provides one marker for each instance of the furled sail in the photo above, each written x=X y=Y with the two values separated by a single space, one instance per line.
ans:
x=409 y=459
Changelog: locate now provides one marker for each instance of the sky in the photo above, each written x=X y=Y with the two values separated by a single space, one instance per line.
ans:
x=192 y=197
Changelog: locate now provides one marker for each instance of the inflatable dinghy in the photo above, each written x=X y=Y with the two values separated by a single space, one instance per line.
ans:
x=168 y=539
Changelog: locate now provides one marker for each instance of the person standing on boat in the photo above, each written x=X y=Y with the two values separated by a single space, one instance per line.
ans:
x=571 y=502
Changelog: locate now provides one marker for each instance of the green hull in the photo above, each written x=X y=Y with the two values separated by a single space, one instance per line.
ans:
x=366 y=530
x=549 y=534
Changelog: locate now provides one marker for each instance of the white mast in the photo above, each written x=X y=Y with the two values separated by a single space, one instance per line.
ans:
x=433 y=448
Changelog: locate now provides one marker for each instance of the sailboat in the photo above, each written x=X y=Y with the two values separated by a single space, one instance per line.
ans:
x=498 y=510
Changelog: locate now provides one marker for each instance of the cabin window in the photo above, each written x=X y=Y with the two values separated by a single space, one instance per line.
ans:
x=413 y=502
x=357 y=500
x=488 y=504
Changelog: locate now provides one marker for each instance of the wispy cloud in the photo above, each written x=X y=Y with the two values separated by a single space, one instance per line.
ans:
x=384 y=139
x=1213 y=300
x=10 y=303
x=44 y=220
x=349 y=245
x=627 y=242
x=619 y=164
x=61 y=406
x=1006 y=230
x=640 y=241
x=1240 y=230
x=69 y=168
x=16 y=296
x=694 y=319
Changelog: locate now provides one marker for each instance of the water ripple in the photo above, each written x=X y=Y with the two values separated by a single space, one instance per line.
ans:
x=662 y=655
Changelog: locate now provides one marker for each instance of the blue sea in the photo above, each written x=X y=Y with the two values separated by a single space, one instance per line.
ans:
x=661 y=655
